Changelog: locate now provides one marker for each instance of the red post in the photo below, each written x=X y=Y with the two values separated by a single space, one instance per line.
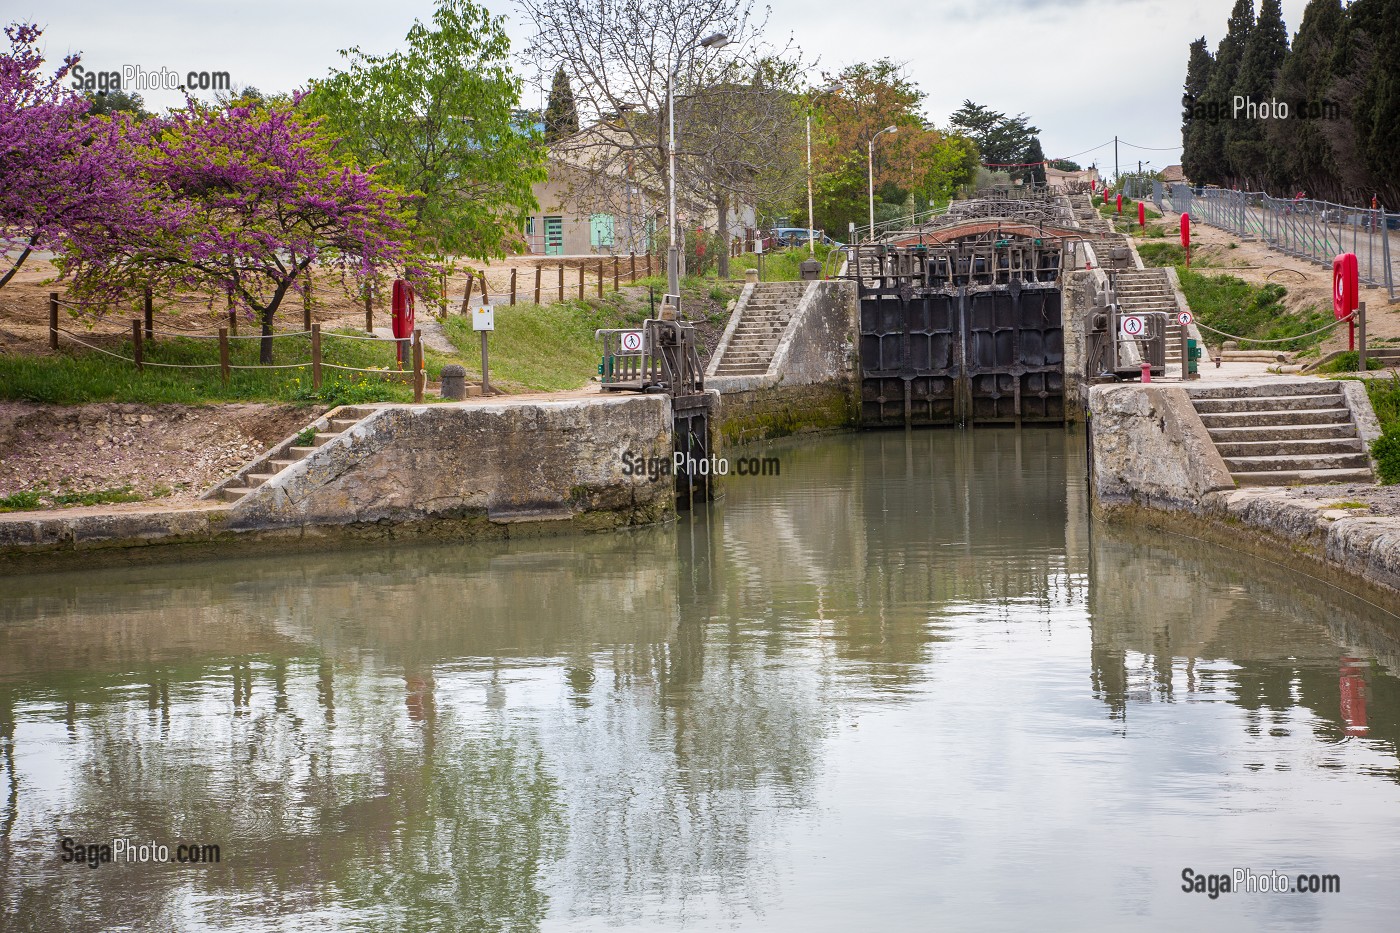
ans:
x=1186 y=237
x=1120 y=202
x=1142 y=215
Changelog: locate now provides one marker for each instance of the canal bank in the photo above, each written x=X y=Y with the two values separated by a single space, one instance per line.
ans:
x=510 y=468
x=1154 y=462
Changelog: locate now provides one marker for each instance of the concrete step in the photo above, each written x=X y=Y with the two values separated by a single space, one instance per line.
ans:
x=1268 y=403
x=1277 y=462
x=257 y=479
x=1301 y=477
x=1258 y=419
x=1283 y=433
x=324 y=438
x=234 y=493
x=1290 y=448
x=741 y=370
x=1269 y=389
x=280 y=465
x=341 y=425
x=301 y=452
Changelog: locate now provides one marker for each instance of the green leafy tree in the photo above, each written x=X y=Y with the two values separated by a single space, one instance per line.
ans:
x=1370 y=62
x=1194 y=132
x=438 y=119
x=1000 y=139
x=1246 y=150
x=106 y=103
x=561 y=114
x=1034 y=172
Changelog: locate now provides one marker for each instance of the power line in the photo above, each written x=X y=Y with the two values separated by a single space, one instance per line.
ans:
x=1151 y=148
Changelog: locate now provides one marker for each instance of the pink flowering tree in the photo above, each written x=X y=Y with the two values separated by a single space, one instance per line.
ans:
x=62 y=172
x=253 y=196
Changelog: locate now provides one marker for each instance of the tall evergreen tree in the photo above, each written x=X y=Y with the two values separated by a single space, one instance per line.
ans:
x=1215 y=130
x=1245 y=150
x=560 y=114
x=1198 y=69
x=1035 y=173
x=1303 y=158
x=1376 y=106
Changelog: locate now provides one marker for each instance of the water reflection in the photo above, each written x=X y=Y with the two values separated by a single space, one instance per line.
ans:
x=877 y=685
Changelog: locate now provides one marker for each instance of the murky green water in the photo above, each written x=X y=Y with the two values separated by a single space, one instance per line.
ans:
x=905 y=685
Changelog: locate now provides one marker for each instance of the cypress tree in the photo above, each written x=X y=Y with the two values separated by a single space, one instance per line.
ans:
x=1198 y=68
x=560 y=114
x=1215 y=130
x=1303 y=158
x=1376 y=107
x=1035 y=174
x=1264 y=53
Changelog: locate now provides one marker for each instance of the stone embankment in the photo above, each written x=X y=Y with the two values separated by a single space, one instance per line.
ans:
x=1155 y=462
x=456 y=471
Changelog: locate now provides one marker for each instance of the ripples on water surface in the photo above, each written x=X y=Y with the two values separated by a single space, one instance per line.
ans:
x=905 y=685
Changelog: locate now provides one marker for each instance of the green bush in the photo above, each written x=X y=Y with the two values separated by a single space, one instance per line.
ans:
x=1349 y=361
x=1386 y=450
x=1232 y=305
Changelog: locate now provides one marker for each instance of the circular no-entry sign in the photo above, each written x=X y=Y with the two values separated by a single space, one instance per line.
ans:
x=1184 y=318
x=632 y=341
x=1132 y=326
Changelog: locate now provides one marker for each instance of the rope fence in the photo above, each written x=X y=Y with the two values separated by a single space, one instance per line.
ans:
x=140 y=335
x=1311 y=333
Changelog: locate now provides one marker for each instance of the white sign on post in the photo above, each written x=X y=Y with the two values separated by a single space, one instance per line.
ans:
x=1132 y=326
x=631 y=342
x=484 y=318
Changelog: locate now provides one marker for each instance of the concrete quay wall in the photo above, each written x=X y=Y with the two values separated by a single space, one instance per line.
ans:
x=452 y=471
x=1153 y=463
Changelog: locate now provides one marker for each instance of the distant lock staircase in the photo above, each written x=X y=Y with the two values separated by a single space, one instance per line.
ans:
x=762 y=320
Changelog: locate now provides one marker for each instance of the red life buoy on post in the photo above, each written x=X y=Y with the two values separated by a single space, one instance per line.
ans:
x=402 y=315
x=1346 y=292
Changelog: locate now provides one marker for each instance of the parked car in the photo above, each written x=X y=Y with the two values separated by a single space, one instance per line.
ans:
x=797 y=236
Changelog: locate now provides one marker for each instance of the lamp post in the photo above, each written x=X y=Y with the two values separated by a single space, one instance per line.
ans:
x=870 y=167
x=673 y=281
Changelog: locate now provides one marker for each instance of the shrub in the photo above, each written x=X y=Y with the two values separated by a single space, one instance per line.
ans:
x=1386 y=450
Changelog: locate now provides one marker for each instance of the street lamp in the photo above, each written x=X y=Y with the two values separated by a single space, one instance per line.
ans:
x=871 y=168
x=673 y=281
x=811 y=221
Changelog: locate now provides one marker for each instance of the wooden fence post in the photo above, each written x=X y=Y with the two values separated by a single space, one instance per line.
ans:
x=616 y=262
x=600 y=278
x=233 y=321
x=150 y=316
x=136 y=343
x=223 y=354
x=539 y=273
x=442 y=298
x=561 y=281
x=580 y=281
x=306 y=302
x=648 y=265
x=53 y=320
x=369 y=308
x=467 y=298
x=485 y=295
x=633 y=257
x=512 y=286
x=316 y=357
x=418 y=374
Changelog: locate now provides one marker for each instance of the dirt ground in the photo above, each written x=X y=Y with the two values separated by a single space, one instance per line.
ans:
x=171 y=452
x=1307 y=283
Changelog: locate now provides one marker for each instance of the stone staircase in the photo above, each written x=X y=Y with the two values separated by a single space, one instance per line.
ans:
x=1281 y=434
x=762 y=320
x=1147 y=290
x=285 y=454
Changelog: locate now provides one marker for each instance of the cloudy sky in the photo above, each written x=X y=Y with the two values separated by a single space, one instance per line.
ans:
x=1082 y=70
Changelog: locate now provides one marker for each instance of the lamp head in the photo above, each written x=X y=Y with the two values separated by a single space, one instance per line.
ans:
x=717 y=41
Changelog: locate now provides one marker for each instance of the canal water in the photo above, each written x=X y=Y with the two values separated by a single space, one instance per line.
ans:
x=906 y=684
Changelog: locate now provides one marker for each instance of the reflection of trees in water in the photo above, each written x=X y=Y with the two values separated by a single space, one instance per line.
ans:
x=418 y=819
x=1163 y=611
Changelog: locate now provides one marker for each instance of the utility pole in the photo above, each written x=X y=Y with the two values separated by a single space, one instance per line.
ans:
x=1115 y=160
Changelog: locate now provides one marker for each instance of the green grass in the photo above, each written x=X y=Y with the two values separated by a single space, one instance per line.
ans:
x=1348 y=362
x=1233 y=305
x=550 y=346
x=76 y=376
x=1162 y=254
x=42 y=497
x=778 y=266
x=1385 y=399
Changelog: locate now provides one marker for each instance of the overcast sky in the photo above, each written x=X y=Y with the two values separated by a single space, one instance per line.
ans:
x=1082 y=70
